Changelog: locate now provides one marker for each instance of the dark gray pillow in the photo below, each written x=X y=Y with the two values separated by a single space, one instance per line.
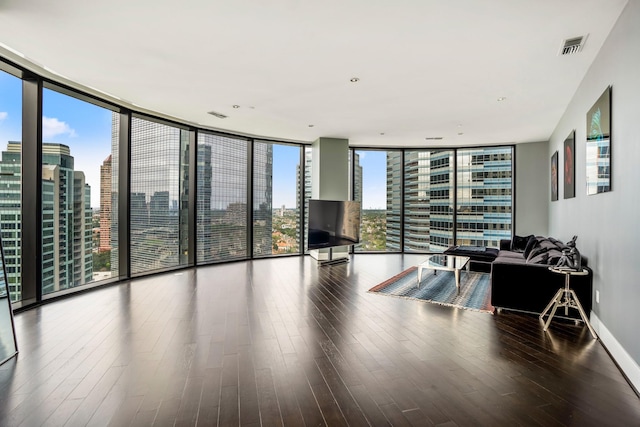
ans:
x=554 y=256
x=540 y=258
x=519 y=243
x=532 y=243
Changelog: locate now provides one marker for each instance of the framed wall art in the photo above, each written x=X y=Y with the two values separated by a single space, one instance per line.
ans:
x=599 y=145
x=569 y=150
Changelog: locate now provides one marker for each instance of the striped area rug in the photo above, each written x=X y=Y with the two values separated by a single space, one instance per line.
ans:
x=440 y=288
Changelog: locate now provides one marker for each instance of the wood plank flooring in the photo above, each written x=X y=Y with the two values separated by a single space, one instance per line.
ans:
x=282 y=342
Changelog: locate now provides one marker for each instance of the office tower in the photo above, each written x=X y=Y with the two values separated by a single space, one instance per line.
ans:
x=483 y=213
x=158 y=175
x=10 y=212
x=394 y=200
x=105 y=205
x=484 y=196
x=66 y=219
x=303 y=186
x=262 y=198
x=203 y=200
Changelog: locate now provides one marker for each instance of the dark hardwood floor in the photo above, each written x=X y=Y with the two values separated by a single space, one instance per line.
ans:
x=281 y=341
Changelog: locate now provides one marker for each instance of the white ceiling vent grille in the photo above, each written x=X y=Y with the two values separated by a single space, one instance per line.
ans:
x=218 y=115
x=573 y=45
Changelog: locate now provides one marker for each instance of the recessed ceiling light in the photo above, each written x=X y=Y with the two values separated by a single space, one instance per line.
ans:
x=236 y=106
x=502 y=98
x=381 y=133
x=311 y=126
x=354 y=79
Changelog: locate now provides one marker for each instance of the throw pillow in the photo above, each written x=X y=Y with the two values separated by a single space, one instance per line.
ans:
x=519 y=243
x=537 y=251
x=541 y=258
x=554 y=256
x=532 y=243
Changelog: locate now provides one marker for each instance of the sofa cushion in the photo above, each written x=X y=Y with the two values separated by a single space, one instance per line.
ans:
x=539 y=258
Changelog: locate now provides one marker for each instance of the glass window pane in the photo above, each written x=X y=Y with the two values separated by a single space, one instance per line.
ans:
x=380 y=195
x=157 y=187
x=10 y=178
x=222 y=198
x=484 y=196
x=76 y=184
x=276 y=185
x=428 y=201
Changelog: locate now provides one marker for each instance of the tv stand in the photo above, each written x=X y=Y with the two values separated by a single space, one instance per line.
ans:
x=331 y=260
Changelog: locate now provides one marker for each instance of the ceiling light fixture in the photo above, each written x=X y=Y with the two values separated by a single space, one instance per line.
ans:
x=218 y=115
x=354 y=79
x=236 y=106
x=311 y=126
x=502 y=98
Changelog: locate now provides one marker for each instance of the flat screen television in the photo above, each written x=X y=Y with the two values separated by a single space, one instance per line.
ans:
x=333 y=223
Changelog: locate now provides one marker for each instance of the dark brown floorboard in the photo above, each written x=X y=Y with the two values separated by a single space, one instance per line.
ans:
x=282 y=342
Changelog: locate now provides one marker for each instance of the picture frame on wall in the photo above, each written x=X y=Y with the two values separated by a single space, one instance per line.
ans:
x=569 y=150
x=598 y=150
x=554 y=177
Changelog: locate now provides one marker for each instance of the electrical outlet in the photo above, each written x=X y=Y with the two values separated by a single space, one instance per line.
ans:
x=597 y=296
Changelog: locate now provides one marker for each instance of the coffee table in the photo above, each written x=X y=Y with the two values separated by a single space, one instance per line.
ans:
x=446 y=263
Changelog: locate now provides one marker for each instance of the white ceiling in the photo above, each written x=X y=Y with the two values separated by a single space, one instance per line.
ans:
x=427 y=68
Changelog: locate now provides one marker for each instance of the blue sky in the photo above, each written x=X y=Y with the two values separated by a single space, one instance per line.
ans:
x=86 y=129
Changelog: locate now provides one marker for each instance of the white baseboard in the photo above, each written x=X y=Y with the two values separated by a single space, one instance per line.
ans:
x=626 y=363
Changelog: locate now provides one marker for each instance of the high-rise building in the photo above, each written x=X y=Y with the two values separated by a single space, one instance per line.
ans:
x=11 y=215
x=70 y=215
x=484 y=187
x=105 y=205
x=67 y=259
x=262 y=198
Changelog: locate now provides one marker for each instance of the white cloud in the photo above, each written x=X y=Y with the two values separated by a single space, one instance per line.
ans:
x=3 y=115
x=52 y=127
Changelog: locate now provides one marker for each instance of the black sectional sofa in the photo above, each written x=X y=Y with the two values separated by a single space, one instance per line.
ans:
x=521 y=279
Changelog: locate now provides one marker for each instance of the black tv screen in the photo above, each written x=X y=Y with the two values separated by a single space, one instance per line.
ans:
x=333 y=223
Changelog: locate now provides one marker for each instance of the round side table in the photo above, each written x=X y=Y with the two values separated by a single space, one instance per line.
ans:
x=566 y=297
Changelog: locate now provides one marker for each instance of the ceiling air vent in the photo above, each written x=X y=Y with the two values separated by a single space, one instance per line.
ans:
x=218 y=115
x=571 y=46
x=433 y=138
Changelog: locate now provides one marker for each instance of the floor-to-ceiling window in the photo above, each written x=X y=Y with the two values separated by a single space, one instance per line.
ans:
x=77 y=182
x=276 y=186
x=221 y=174
x=484 y=213
x=377 y=184
x=428 y=200
x=10 y=178
x=157 y=187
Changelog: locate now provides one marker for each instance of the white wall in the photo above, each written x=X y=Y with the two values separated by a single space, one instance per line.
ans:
x=532 y=189
x=608 y=224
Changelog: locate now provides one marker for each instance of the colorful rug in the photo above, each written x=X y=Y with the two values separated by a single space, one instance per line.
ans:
x=440 y=288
